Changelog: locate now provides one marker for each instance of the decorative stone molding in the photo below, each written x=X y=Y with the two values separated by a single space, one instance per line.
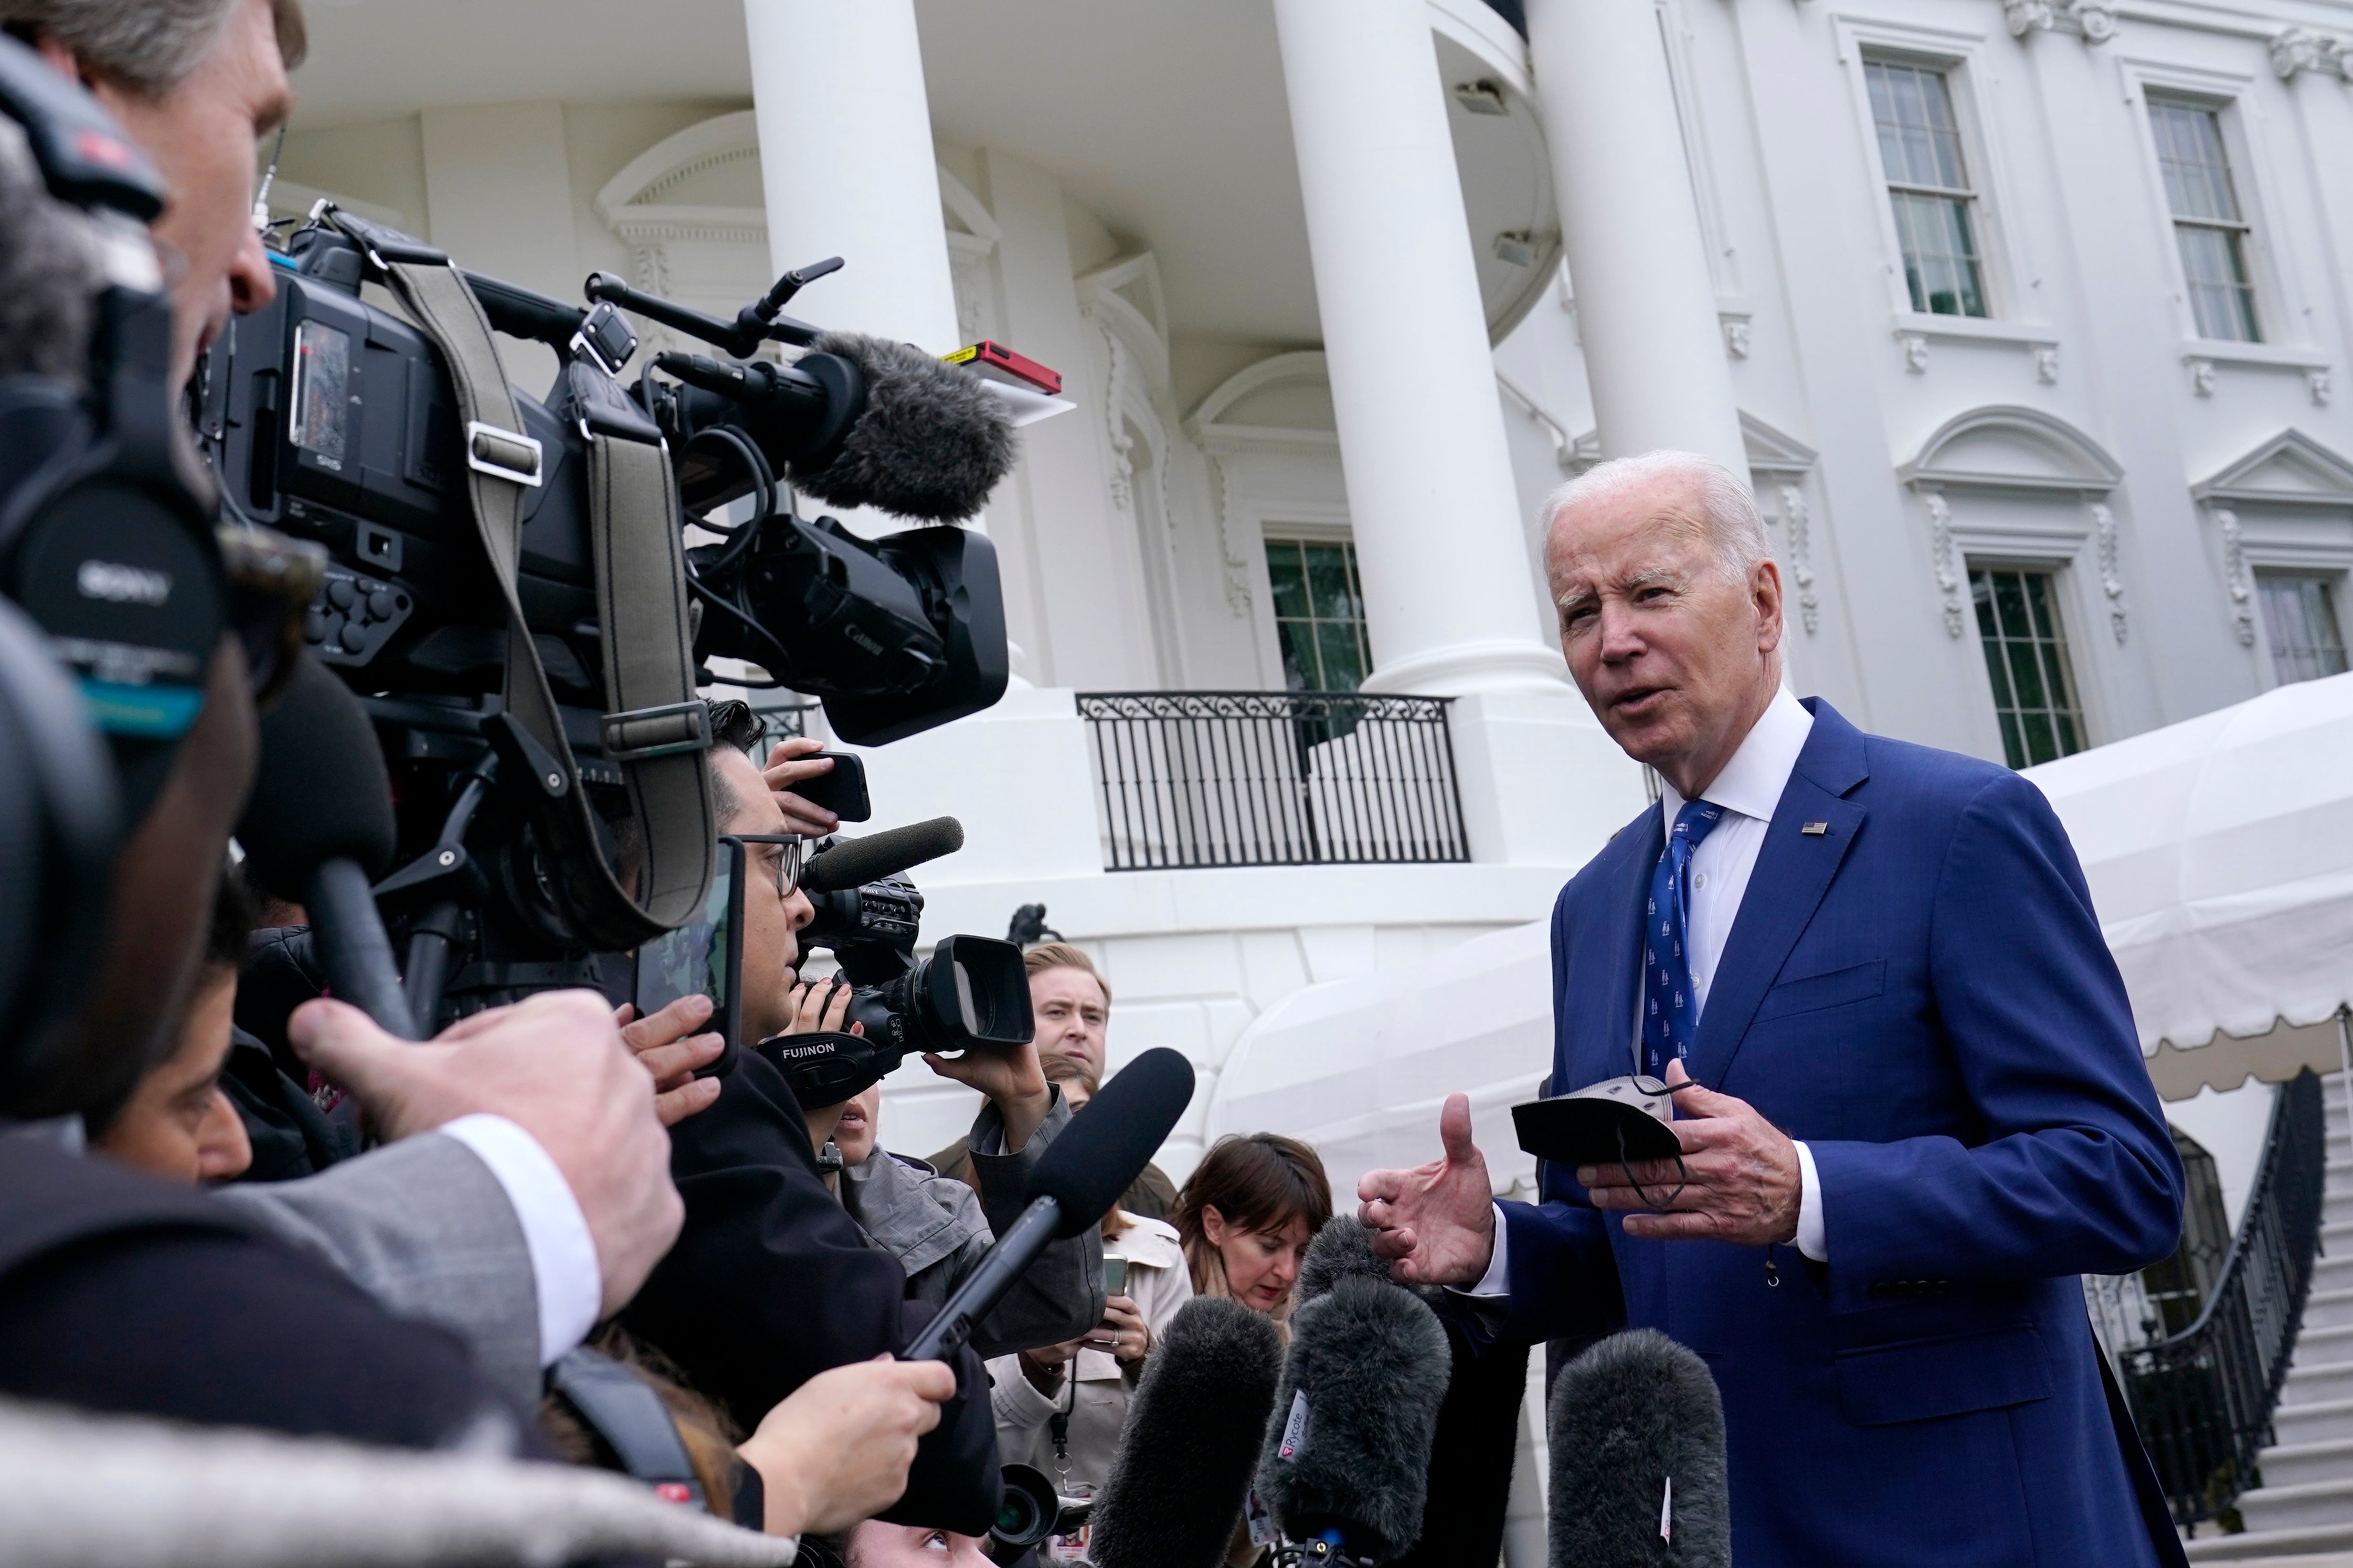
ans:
x=1800 y=555
x=2236 y=577
x=1915 y=353
x=2094 y=21
x=2111 y=584
x=1735 y=332
x=2046 y=364
x=2316 y=382
x=1948 y=561
x=1122 y=444
x=2013 y=450
x=2301 y=49
x=2201 y=376
x=1237 y=570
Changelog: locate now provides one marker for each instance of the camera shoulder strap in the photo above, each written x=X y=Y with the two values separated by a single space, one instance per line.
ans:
x=657 y=730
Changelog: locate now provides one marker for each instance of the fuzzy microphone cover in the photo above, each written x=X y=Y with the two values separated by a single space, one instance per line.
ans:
x=932 y=442
x=1343 y=1249
x=1354 y=1419
x=1175 y=1492
x=1628 y=1416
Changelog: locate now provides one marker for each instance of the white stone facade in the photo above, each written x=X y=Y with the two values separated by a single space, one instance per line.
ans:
x=1305 y=275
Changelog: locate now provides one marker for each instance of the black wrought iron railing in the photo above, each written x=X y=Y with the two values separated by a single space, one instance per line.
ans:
x=2203 y=1398
x=1272 y=778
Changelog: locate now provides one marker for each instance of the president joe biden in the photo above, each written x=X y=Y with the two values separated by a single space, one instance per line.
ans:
x=1921 y=1110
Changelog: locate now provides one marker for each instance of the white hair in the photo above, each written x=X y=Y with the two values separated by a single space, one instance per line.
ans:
x=1726 y=506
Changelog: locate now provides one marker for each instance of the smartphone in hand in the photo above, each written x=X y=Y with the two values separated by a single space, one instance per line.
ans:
x=703 y=957
x=841 y=789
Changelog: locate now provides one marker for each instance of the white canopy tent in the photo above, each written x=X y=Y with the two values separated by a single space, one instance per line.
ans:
x=2220 y=853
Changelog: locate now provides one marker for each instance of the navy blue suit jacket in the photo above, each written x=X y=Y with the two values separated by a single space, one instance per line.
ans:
x=1918 y=990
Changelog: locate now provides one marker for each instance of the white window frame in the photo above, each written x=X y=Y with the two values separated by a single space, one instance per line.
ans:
x=2268 y=561
x=1965 y=58
x=2280 y=296
x=2086 y=667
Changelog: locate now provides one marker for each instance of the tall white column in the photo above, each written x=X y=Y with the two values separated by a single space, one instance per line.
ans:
x=845 y=164
x=1440 y=551
x=1430 y=500
x=1645 y=303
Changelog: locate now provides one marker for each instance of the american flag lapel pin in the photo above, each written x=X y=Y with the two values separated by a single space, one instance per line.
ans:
x=1815 y=829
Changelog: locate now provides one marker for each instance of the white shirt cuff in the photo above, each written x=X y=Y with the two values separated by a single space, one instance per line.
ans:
x=571 y=1283
x=1496 y=1285
x=1813 y=1239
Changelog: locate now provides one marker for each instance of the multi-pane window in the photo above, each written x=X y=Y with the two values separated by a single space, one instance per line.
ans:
x=2208 y=224
x=2026 y=655
x=1928 y=185
x=1319 y=613
x=2300 y=622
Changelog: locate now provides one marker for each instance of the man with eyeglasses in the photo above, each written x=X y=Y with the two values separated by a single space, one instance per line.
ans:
x=771 y=1281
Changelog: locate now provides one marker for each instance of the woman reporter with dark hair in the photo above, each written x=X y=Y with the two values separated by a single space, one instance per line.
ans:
x=1246 y=1217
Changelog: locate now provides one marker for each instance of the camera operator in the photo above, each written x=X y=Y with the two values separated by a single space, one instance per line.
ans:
x=771 y=1281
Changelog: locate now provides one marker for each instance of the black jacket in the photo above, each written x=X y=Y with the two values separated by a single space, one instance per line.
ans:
x=772 y=1282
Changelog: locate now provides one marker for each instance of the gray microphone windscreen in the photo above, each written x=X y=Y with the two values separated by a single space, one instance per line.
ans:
x=854 y=862
x=1343 y=1249
x=1174 y=1495
x=1637 y=1430
x=932 y=442
x=1354 y=1419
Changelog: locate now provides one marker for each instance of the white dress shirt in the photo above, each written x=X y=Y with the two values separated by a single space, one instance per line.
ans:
x=1748 y=787
x=564 y=1267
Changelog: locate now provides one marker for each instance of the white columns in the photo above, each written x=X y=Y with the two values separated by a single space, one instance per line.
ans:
x=845 y=164
x=1430 y=500
x=1645 y=303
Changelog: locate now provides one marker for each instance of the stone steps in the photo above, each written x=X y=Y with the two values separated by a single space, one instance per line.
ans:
x=2276 y=1548
x=2311 y=1505
x=2321 y=1422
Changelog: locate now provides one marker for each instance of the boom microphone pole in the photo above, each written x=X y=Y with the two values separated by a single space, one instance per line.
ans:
x=319 y=824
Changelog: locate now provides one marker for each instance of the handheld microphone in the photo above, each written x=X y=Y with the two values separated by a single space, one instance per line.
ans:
x=1347 y=1460
x=318 y=826
x=1175 y=1491
x=854 y=862
x=1470 y=1473
x=1637 y=1461
x=1076 y=1182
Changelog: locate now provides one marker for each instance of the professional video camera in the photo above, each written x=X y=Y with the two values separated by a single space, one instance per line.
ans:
x=971 y=991
x=509 y=593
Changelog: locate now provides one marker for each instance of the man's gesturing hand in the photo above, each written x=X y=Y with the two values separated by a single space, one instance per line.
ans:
x=1744 y=1184
x=555 y=1067
x=838 y=1450
x=1437 y=1222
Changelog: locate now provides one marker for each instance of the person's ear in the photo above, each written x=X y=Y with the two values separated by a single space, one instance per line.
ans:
x=1213 y=1225
x=1765 y=594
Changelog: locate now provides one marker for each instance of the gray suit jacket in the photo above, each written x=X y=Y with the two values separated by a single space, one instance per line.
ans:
x=939 y=1230
x=424 y=1227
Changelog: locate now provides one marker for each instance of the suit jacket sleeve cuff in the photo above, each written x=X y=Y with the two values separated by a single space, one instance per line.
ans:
x=571 y=1283
x=1813 y=1234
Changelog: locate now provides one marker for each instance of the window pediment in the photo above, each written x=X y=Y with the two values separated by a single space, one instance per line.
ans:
x=2289 y=470
x=2013 y=449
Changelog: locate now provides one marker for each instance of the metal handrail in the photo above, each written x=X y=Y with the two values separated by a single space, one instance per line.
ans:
x=2203 y=1399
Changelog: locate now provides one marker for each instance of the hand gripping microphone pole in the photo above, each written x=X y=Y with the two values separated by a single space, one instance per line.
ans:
x=1077 y=1181
x=320 y=822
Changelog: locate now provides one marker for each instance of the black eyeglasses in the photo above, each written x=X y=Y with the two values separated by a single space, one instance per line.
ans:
x=791 y=853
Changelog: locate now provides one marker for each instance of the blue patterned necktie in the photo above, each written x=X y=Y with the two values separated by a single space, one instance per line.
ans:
x=1670 y=1004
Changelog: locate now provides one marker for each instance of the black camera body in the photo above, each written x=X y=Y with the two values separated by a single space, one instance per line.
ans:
x=970 y=993
x=338 y=423
x=333 y=421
